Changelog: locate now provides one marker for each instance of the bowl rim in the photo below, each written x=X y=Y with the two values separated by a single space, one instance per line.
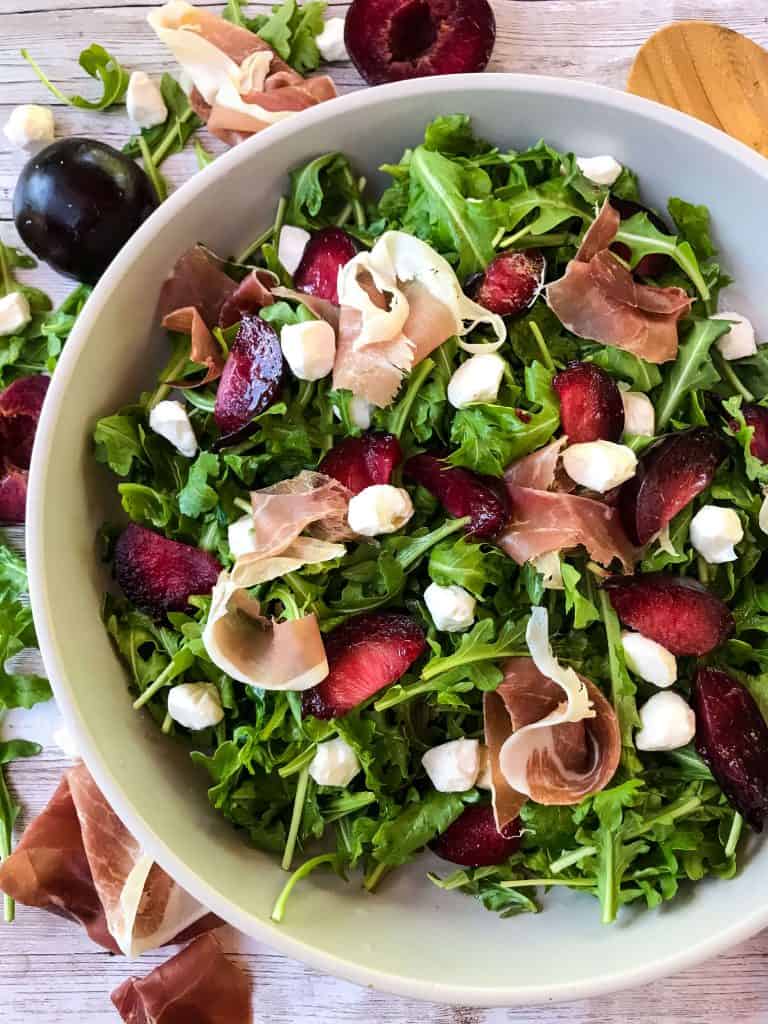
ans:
x=329 y=963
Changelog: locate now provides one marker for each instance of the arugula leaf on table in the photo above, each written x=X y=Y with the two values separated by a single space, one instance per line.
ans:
x=99 y=64
x=9 y=808
x=173 y=134
x=17 y=632
x=291 y=29
x=692 y=370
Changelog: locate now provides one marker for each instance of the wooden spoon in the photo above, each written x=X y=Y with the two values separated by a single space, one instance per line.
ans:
x=711 y=72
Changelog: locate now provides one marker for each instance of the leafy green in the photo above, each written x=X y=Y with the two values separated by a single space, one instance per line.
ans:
x=9 y=809
x=173 y=134
x=291 y=29
x=99 y=64
x=17 y=632
x=584 y=611
x=642 y=238
x=197 y=495
x=693 y=224
x=396 y=840
x=464 y=563
x=693 y=369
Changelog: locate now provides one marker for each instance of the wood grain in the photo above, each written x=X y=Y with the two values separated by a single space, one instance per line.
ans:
x=49 y=973
x=710 y=72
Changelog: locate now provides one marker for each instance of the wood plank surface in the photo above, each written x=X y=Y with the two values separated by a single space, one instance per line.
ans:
x=49 y=973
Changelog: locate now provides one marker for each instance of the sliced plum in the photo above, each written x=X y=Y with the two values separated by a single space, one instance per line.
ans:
x=20 y=406
x=511 y=282
x=474 y=841
x=159 y=575
x=591 y=408
x=360 y=462
x=756 y=416
x=732 y=737
x=389 y=40
x=13 y=495
x=327 y=251
x=252 y=376
x=669 y=475
x=654 y=264
x=365 y=654
x=676 y=612
x=462 y=492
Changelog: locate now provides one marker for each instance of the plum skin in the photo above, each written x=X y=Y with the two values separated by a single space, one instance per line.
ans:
x=77 y=203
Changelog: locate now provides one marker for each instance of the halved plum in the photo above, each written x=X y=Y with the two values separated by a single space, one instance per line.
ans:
x=474 y=841
x=252 y=376
x=511 y=282
x=677 y=612
x=732 y=737
x=327 y=251
x=669 y=475
x=591 y=408
x=20 y=406
x=360 y=462
x=654 y=264
x=159 y=575
x=389 y=40
x=462 y=492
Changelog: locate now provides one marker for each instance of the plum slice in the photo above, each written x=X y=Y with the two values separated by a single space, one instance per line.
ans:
x=159 y=575
x=732 y=737
x=676 y=612
x=252 y=376
x=13 y=495
x=360 y=462
x=474 y=841
x=20 y=406
x=591 y=408
x=365 y=654
x=669 y=475
x=389 y=40
x=462 y=492
x=327 y=251
x=511 y=282
x=655 y=263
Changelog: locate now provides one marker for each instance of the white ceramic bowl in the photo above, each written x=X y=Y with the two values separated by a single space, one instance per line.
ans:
x=410 y=938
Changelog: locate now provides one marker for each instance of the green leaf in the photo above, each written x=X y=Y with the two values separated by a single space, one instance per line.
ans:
x=197 y=496
x=480 y=644
x=452 y=135
x=118 y=442
x=623 y=689
x=319 y=191
x=584 y=612
x=465 y=563
x=641 y=375
x=755 y=468
x=691 y=370
x=17 y=632
x=553 y=203
x=99 y=64
x=693 y=224
x=642 y=238
x=11 y=750
x=173 y=134
x=397 y=840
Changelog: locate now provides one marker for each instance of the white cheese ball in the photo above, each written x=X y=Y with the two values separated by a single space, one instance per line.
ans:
x=453 y=767
x=30 y=127
x=639 y=414
x=452 y=608
x=330 y=42
x=65 y=741
x=15 y=313
x=381 y=508
x=713 y=533
x=550 y=569
x=762 y=519
x=648 y=659
x=144 y=102
x=309 y=348
x=599 y=465
x=334 y=764
x=602 y=170
x=170 y=420
x=195 y=705
x=476 y=380
x=240 y=536
x=291 y=246
x=359 y=412
x=667 y=723
x=740 y=340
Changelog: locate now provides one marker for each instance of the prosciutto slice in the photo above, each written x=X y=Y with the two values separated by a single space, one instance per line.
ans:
x=545 y=520
x=598 y=298
x=252 y=294
x=540 y=746
x=204 y=348
x=285 y=509
x=78 y=860
x=196 y=280
x=197 y=986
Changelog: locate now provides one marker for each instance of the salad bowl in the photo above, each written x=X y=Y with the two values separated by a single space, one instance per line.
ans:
x=406 y=939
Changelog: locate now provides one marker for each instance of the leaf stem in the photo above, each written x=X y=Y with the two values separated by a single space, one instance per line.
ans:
x=734 y=835
x=298 y=810
x=373 y=877
x=404 y=406
x=169 y=139
x=546 y=358
x=306 y=868
x=728 y=373
x=152 y=172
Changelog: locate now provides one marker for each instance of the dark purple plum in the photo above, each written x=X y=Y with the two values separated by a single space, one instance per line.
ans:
x=13 y=494
x=327 y=251
x=78 y=202
x=511 y=282
x=591 y=408
x=732 y=737
x=474 y=841
x=252 y=376
x=756 y=416
x=654 y=264
x=360 y=462
x=20 y=406
x=462 y=492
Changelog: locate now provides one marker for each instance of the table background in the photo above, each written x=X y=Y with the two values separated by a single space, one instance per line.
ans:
x=49 y=972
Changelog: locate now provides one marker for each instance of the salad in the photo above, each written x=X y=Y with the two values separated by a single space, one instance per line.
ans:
x=446 y=528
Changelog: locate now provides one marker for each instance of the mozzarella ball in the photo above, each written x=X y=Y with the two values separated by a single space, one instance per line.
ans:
x=15 y=313
x=359 y=412
x=330 y=42
x=476 y=380
x=602 y=170
x=169 y=419
x=452 y=608
x=740 y=340
x=290 y=248
x=713 y=532
x=309 y=348
x=599 y=465
x=240 y=536
x=649 y=660
x=762 y=519
x=30 y=127
x=453 y=767
x=381 y=508
x=144 y=101
x=334 y=764
x=667 y=723
x=639 y=414
x=195 y=705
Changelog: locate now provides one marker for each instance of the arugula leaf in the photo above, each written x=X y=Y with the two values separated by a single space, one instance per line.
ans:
x=197 y=495
x=584 y=611
x=118 y=442
x=319 y=191
x=395 y=841
x=553 y=202
x=693 y=224
x=466 y=564
x=9 y=808
x=17 y=632
x=642 y=237
x=452 y=135
x=99 y=64
x=643 y=376
x=173 y=134
x=755 y=468
x=480 y=644
x=623 y=690
x=691 y=370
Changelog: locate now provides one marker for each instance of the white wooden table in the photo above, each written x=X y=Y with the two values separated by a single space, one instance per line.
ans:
x=49 y=972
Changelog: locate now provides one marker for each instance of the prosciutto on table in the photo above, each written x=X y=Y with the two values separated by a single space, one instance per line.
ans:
x=197 y=986
x=598 y=298
x=78 y=860
x=544 y=520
